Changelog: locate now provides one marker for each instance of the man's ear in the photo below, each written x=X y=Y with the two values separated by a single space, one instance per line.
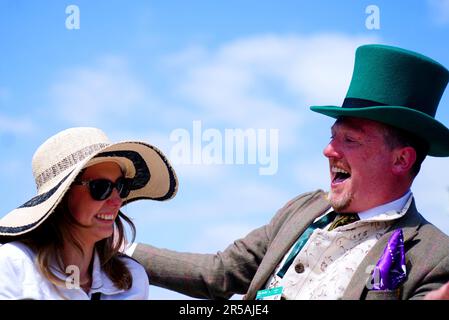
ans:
x=403 y=160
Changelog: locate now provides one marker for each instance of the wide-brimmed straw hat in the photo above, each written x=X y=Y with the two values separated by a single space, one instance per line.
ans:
x=400 y=88
x=59 y=160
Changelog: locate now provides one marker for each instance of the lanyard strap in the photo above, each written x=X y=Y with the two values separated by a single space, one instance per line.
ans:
x=95 y=296
x=324 y=221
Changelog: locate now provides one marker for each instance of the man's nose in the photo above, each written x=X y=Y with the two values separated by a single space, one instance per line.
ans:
x=331 y=150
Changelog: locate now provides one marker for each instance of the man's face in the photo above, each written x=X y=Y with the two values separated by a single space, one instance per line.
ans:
x=360 y=165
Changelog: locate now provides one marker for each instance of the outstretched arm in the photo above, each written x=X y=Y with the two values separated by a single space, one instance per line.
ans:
x=210 y=276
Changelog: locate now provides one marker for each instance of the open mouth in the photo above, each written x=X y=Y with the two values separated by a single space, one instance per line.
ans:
x=339 y=175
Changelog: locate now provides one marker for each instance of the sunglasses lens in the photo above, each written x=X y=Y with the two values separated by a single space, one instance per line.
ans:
x=100 y=189
x=122 y=185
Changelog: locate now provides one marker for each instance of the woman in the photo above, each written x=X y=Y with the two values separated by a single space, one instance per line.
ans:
x=65 y=242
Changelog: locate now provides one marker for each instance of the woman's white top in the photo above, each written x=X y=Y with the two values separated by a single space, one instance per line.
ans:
x=20 y=278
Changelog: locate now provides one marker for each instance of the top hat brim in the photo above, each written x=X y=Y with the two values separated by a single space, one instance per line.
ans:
x=416 y=122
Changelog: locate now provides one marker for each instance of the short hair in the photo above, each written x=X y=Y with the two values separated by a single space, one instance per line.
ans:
x=395 y=137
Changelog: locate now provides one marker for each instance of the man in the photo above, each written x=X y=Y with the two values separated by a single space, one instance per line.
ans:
x=365 y=238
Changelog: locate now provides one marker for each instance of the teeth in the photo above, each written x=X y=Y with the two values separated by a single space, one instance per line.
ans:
x=105 y=216
x=335 y=170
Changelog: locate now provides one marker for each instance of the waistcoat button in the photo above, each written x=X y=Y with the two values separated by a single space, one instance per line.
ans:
x=299 y=267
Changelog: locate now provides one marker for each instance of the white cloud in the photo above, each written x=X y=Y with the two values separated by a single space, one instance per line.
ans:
x=90 y=95
x=439 y=11
x=233 y=198
x=15 y=126
x=12 y=168
x=197 y=173
x=151 y=136
x=313 y=173
x=267 y=81
x=109 y=95
x=322 y=71
x=431 y=190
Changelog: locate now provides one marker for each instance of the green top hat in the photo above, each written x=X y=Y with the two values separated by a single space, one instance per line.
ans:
x=400 y=88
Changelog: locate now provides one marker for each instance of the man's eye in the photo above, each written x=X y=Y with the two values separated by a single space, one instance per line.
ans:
x=349 y=139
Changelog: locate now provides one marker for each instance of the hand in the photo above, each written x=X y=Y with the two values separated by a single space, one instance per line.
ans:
x=439 y=294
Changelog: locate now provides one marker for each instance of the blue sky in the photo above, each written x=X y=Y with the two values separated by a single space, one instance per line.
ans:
x=142 y=69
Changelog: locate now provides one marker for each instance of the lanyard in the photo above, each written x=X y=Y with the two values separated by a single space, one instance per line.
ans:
x=324 y=221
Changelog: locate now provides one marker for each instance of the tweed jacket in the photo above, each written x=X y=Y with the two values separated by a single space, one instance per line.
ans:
x=245 y=266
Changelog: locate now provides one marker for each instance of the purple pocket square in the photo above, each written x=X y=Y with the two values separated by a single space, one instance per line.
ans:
x=390 y=270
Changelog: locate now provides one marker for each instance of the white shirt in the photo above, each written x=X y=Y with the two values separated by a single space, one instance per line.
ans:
x=382 y=212
x=329 y=259
x=20 y=278
x=130 y=249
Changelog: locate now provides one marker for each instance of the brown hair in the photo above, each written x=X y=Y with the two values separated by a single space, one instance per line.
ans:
x=47 y=242
x=395 y=137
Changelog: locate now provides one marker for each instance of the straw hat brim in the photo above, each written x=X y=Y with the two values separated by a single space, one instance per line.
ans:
x=152 y=174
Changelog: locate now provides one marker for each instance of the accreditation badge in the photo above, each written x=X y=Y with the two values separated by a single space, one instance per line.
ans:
x=270 y=294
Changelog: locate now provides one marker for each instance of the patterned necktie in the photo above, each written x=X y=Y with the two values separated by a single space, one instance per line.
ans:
x=338 y=220
x=343 y=219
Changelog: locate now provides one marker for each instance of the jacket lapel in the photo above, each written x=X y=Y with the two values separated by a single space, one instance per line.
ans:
x=285 y=238
x=409 y=224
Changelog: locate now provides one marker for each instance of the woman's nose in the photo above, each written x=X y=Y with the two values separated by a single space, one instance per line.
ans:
x=114 y=199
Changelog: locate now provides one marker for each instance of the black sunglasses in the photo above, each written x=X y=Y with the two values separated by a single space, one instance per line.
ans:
x=101 y=189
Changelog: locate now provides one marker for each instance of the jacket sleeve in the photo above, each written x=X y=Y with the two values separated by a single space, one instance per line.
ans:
x=433 y=280
x=429 y=262
x=214 y=276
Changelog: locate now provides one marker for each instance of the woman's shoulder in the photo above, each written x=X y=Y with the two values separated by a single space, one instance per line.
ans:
x=16 y=251
x=140 y=286
x=133 y=265
x=17 y=269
